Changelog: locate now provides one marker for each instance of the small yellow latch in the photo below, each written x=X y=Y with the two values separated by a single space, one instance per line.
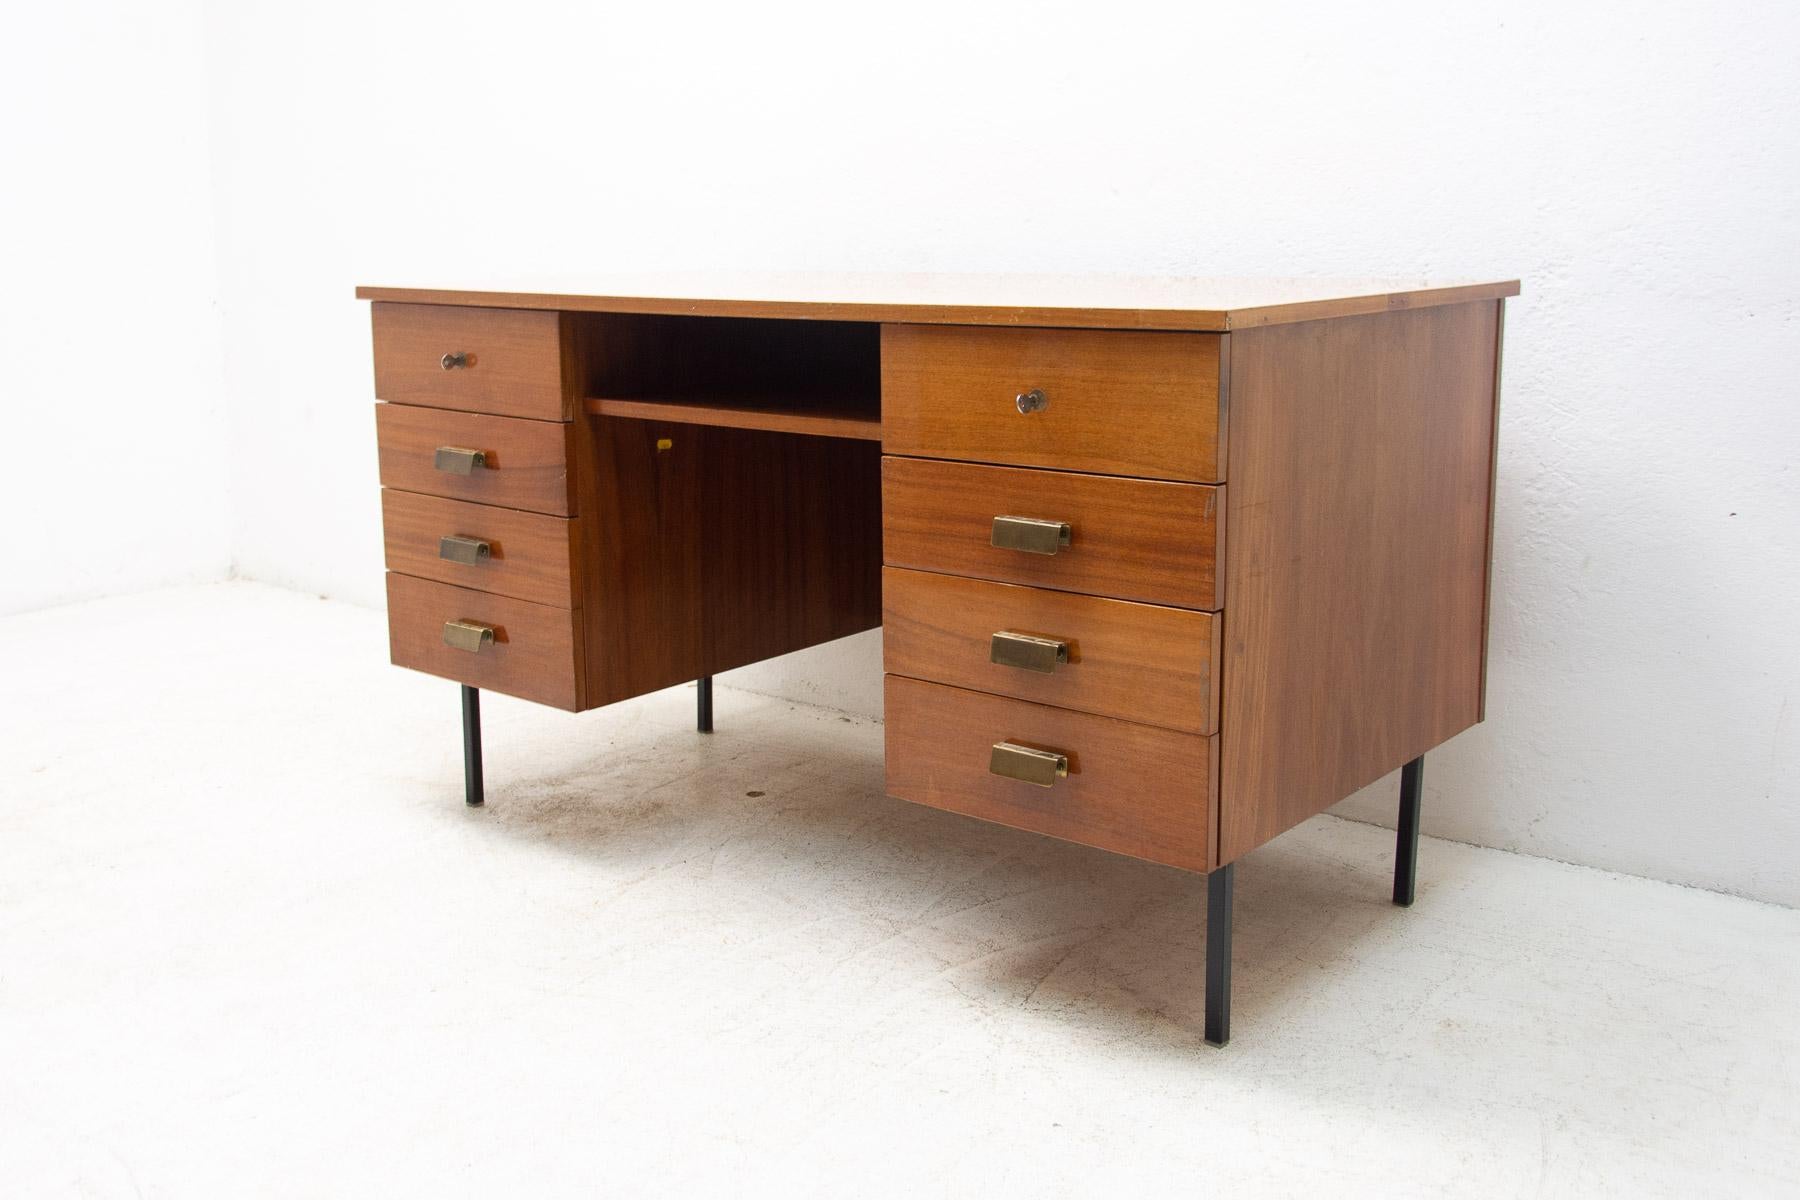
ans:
x=665 y=443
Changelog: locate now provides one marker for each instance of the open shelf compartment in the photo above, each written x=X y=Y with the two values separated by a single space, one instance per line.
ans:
x=788 y=376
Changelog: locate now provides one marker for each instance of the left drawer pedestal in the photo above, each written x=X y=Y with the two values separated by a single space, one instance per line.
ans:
x=478 y=468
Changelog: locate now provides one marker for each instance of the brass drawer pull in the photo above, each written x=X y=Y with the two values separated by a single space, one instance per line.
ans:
x=1040 y=768
x=1026 y=652
x=456 y=360
x=458 y=461
x=464 y=549
x=467 y=635
x=1032 y=401
x=1031 y=535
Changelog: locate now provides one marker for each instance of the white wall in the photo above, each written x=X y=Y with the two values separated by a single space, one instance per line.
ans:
x=113 y=476
x=1635 y=164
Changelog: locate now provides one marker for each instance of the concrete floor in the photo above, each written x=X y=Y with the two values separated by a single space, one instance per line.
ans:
x=252 y=944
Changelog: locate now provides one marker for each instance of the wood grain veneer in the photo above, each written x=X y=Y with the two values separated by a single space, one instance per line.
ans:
x=519 y=364
x=1119 y=403
x=528 y=461
x=1360 y=467
x=533 y=556
x=1132 y=539
x=721 y=548
x=1131 y=788
x=1137 y=662
x=536 y=655
x=1049 y=301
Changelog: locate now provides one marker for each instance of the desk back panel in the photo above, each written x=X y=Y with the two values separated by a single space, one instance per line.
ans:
x=712 y=548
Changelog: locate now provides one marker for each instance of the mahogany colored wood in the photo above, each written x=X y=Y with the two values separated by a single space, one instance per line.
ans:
x=536 y=654
x=827 y=423
x=516 y=360
x=1132 y=539
x=1118 y=403
x=1050 y=301
x=721 y=548
x=1137 y=662
x=1131 y=788
x=1360 y=469
x=527 y=461
x=533 y=556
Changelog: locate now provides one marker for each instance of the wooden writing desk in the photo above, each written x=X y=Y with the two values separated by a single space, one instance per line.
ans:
x=1165 y=568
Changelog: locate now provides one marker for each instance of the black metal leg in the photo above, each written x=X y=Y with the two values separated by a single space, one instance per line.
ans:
x=703 y=706
x=1406 y=840
x=1218 y=955
x=471 y=706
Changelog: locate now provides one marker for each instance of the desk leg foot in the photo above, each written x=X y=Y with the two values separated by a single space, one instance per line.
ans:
x=471 y=710
x=1406 y=839
x=703 y=704
x=1218 y=955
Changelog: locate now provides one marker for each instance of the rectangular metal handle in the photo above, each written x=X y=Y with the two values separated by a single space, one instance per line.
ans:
x=467 y=635
x=456 y=460
x=1030 y=534
x=1026 y=652
x=464 y=549
x=1041 y=768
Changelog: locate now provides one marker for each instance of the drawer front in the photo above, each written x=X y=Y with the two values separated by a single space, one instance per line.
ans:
x=489 y=460
x=1132 y=539
x=527 y=556
x=1114 y=403
x=1130 y=788
x=534 y=653
x=1116 y=658
x=492 y=360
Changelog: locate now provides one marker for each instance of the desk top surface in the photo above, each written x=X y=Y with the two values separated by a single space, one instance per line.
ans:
x=1068 y=301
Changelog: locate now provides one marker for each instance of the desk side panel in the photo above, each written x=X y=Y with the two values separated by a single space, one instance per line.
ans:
x=1361 y=457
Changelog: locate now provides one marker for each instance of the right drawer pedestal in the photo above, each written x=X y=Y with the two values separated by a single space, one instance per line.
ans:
x=1051 y=616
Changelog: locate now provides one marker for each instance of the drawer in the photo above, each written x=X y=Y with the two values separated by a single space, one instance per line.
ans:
x=1133 y=539
x=492 y=360
x=1115 y=403
x=1130 y=788
x=527 y=556
x=1117 y=658
x=534 y=653
x=523 y=464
